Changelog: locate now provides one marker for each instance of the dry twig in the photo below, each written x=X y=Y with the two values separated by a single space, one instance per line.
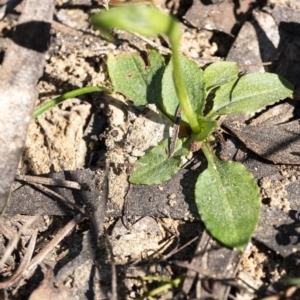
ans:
x=61 y=234
x=23 y=265
x=99 y=215
x=15 y=241
x=58 y=196
x=50 y=181
x=20 y=71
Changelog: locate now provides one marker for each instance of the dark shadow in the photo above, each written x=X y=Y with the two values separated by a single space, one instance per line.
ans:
x=206 y=2
x=1 y=56
x=241 y=17
x=33 y=35
x=188 y=183
x=90 y=292
x=82 y=248
x=288 y=266
x=30 y=285
x=287 y=233
x=88 y=195
x=224 y=40
x=289 y=61
x=74 y=243
x=286 y=61
x=291 y=27
x=64 y=207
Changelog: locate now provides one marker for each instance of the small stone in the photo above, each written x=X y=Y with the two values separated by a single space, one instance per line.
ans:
x=172 y=196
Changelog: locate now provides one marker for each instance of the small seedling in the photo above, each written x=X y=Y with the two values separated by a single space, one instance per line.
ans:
x=226 y=193
x=68 y=95
x=167 y=284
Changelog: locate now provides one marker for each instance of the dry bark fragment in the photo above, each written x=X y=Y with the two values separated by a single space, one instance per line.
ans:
x=20 y=71
x=279 y=144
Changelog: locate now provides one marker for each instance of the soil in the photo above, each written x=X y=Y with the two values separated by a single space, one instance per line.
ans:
x=85 y=133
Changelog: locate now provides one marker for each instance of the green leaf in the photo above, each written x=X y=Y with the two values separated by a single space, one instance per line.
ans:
x=147 y=20
x=138 y=82
x=156 y=166
x=228 y=201
x=250 y=93
x=220 y=73
x=207 y=126
x=143 y=19
x=291 y=281
x=193 y=80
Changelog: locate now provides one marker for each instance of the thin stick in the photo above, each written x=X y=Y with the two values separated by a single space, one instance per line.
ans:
x=160 y=48
x=23 y=265
x=49 y=181
x=61 y=234
x=114 y=294
x=191 y=274
x=66 y=29
x=126 y=209
x=165 y=257
x=113 y=281
x=13 y=244
x=99 y=215
x=175 y=131
x=60 y=197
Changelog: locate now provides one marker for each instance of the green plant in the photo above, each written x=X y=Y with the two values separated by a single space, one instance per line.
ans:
x=226 y=194
x=167 y=284
x=68 y=95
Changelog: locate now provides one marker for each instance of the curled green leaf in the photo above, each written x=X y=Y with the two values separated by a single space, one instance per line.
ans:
x=142 y=19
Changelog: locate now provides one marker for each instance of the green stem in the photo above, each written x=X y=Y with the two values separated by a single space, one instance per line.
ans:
x=209 y=154
x=173 y=283
x=291 y=281
x=66 y=96
x=174 y=36
x=211 y=115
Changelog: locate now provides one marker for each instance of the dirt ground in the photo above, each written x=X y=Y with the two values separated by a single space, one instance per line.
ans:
x=87 y=132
